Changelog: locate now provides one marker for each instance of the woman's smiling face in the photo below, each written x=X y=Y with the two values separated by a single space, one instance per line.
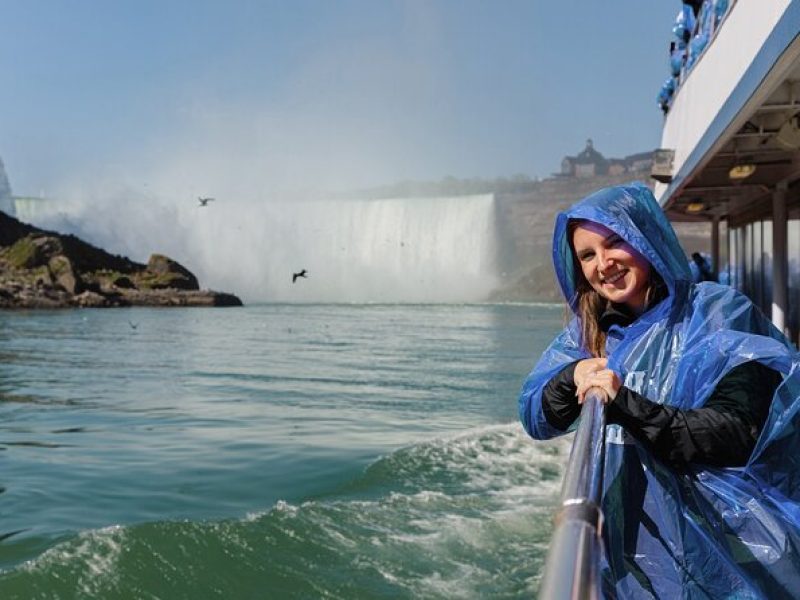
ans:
x=611 y=266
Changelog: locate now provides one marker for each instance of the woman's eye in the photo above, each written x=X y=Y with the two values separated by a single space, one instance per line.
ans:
x=586 y=256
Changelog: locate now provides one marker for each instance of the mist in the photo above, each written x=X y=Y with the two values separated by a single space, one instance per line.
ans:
x=398 y=250
x=364 y=111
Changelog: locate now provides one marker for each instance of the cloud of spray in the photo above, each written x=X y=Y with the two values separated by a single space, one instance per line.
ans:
x=363 y=113
x=405 y=250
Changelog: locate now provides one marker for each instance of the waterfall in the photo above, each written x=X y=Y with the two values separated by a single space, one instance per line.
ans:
x=397 y=250
x=402 y=250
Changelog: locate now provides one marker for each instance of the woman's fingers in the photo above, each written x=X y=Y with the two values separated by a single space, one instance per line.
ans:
x=606 y=380
x=588 y=366
x=583 y=391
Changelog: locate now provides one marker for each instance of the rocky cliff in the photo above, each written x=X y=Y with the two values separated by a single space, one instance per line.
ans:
x=44 y=269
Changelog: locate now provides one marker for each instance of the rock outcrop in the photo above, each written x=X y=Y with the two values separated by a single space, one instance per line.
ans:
x=44 y=269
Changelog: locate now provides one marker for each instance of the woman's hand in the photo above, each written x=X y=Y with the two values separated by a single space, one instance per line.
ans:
x=587 y=367
x=605 y=379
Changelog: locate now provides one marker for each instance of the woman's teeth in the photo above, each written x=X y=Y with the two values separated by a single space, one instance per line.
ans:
x=614 y=278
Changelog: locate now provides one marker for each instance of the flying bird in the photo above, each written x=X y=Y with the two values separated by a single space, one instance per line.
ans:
x=205 y=201
x=300 y=274
x=133 y=325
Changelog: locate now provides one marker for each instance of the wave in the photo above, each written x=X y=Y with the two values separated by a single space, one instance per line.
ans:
x=460 y=517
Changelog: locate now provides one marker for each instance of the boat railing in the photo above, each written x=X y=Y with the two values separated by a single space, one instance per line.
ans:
x=572 y=567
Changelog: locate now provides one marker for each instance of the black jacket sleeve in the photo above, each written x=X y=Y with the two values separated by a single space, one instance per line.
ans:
x=559 y=404
x=721 y=433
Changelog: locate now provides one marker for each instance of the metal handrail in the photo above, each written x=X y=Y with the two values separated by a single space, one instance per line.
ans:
x=572 y=567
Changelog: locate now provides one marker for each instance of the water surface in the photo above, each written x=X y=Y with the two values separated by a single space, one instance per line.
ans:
x=343 y=451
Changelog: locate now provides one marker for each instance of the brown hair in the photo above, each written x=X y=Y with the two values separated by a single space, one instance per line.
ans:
x=590 y=305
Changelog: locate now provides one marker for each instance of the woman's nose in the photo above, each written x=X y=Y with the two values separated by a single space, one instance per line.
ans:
x=604 y=261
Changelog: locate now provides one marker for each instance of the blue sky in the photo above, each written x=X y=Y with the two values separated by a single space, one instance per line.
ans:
x=254 y=98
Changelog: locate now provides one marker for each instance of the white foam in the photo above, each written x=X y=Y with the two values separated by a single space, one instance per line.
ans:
x=93 y=555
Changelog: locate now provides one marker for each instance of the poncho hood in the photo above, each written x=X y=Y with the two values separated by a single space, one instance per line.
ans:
x=631 y=212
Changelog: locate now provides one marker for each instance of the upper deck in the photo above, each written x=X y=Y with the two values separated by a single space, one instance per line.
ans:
x=739 y=106
x=733 y=131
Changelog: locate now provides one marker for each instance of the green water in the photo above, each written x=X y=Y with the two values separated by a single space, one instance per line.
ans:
x=275 y=451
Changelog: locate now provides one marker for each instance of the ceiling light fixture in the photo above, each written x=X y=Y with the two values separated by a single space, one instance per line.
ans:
x=741 y=171
x=695 y=206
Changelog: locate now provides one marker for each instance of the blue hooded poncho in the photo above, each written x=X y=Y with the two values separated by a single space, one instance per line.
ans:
x=701 y=532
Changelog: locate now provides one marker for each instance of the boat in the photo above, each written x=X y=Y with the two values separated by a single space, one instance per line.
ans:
x=730 y=150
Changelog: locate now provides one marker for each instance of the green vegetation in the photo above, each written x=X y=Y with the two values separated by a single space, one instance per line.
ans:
x=22 y=254
x=157 y=281
x=59 y=265
x=104 y=276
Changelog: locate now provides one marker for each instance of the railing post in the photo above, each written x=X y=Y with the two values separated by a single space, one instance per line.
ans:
x=572 y=567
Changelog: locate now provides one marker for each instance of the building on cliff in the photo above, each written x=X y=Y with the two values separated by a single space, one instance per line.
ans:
x=591 y=163
x=24 y=208
x=6 y=199
x=28 y=207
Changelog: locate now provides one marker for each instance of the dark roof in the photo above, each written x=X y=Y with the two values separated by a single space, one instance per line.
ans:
x=590 y=155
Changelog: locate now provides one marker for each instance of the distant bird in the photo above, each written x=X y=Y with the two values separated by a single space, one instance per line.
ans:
x=300 y=274
x=205 y=201
x=133 y=325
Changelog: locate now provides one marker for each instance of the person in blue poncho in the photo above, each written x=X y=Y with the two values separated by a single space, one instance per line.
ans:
x=700 y=268
x=702 y=476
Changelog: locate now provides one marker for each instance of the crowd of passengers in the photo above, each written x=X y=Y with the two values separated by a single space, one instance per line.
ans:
x=694 y=26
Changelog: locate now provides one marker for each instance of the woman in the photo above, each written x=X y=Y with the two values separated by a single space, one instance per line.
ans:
x=702 y=473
